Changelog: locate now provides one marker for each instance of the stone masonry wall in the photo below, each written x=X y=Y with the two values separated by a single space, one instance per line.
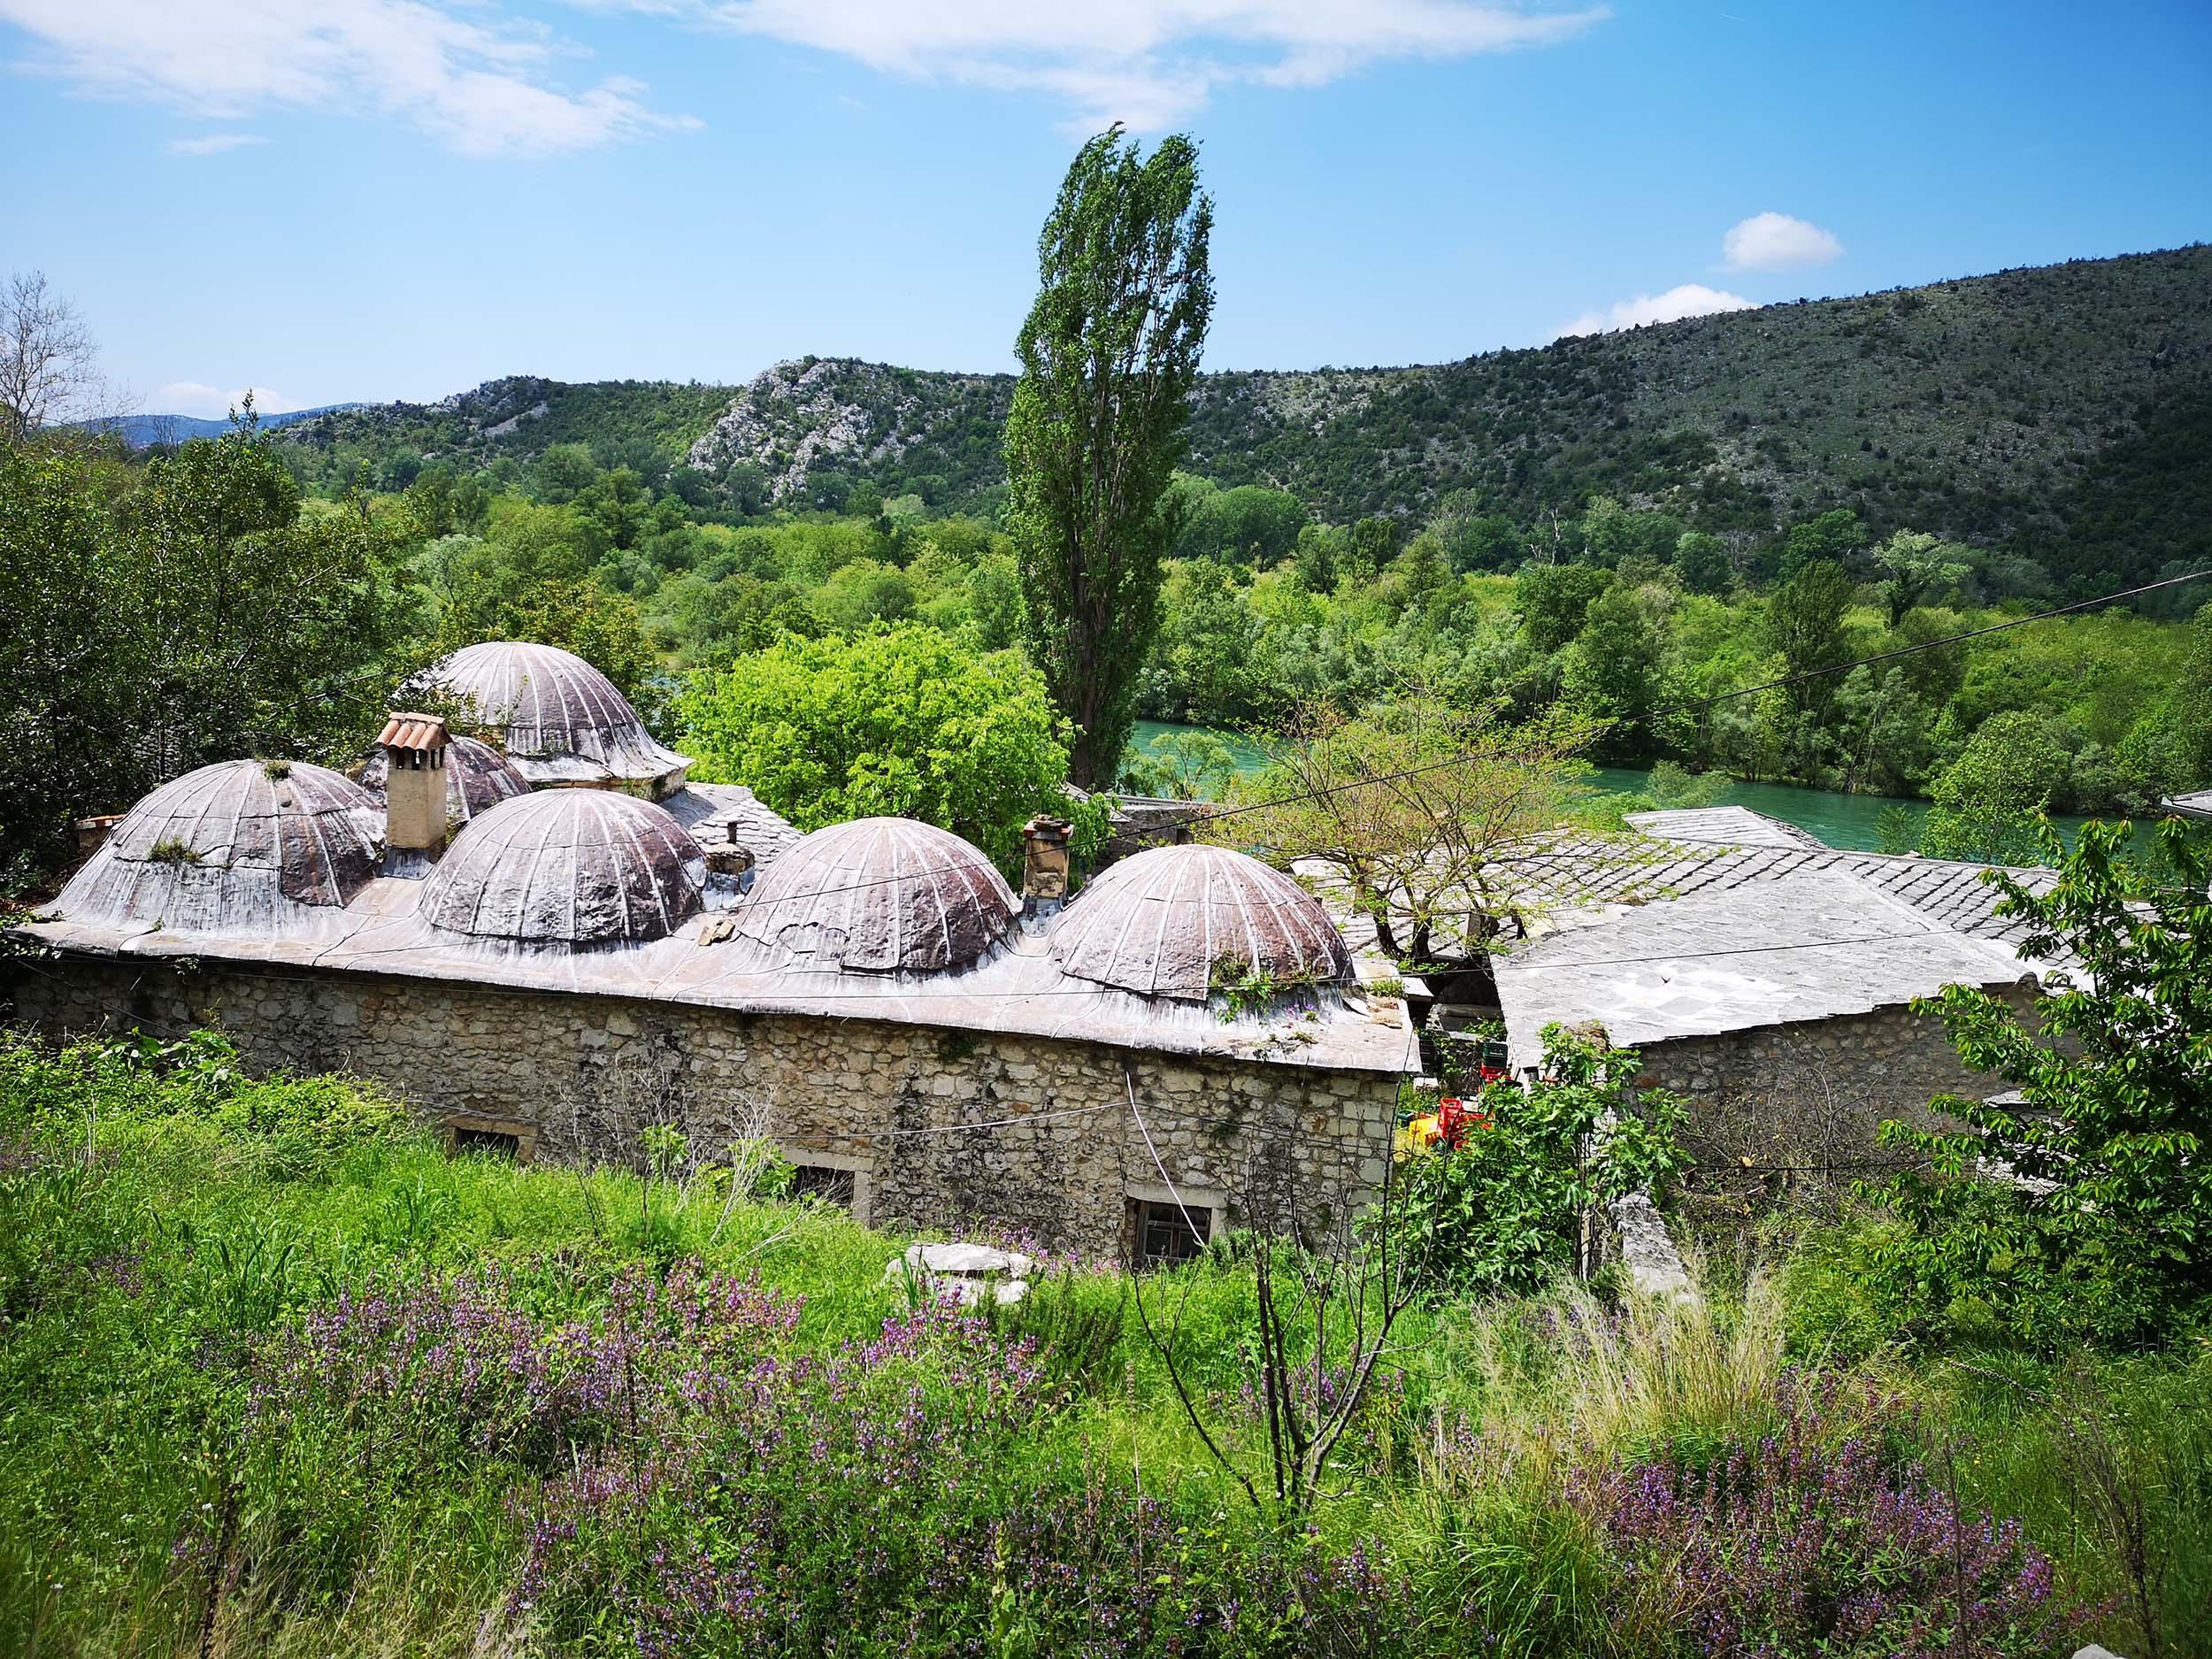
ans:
x=1806 y=1098
x=1058 y=1159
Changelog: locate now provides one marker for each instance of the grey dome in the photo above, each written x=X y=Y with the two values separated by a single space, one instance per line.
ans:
x=1163 y=922
x=567 y=867
x=240 y=846
x=881 y=896
x=559 y=719
x=477 y=779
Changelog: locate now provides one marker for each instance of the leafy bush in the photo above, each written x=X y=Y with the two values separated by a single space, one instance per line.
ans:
x=902 y=722
x=1500 y=1212
x=297 y=1127
x=2077 y=1205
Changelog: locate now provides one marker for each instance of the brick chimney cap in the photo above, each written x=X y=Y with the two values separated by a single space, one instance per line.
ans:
x=413 y=732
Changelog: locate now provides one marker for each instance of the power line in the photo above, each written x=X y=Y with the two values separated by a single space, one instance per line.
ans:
x=1217 y=814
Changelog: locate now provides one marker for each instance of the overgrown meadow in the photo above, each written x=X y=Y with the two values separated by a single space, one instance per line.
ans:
x=281 y=1377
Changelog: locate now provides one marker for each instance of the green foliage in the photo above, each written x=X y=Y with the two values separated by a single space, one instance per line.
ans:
x=192 y=609
x=67 y=698
x=1990 y=801
x=1180 y=766
x=2077 y=1204
x=1922 y=572
x=1555 y=599
x=1108 y=353
x=1501 y=1211
x=898 y=721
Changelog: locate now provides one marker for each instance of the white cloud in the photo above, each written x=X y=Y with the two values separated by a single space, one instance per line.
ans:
x=1691 y=299
x=212 y=143
x=480 y=84
x=1775 y=241
x=213 y=403
x=1148 y=63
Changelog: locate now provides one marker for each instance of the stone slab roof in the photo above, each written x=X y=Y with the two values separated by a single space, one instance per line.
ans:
x=1724 y=826
x=2198 y=804
x=1590 y=876
x=1805 y=944
x=717 y=814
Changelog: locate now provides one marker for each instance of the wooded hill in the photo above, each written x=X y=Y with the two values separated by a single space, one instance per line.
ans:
x=2064 y=410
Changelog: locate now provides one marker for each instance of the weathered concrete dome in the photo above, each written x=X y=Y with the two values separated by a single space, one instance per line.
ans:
x=1167 y=922
x=477 y=779
x=567 y=867
x=240 y=846
x=559 y=718
x=881 y=896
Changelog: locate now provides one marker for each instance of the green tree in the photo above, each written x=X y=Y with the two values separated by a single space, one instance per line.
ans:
x=1701 y=560
x=1204 y=657
x=1249 y=524
x=1805 y=624
x=262 y=629
x=2104 y=1229
x=564 y=472
x=1108 y=356
x=899 y=721
x=1610 y=670
x=1835 y=535
x=1553 y=601
x=1501 y=1213
x=1922 y=572
x=70 y=662
x=604 y=628
x=1989 y=801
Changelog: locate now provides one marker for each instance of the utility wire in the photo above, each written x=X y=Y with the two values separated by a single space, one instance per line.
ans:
x=1216 y=814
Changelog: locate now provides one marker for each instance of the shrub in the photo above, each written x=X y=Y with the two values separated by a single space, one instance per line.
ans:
x=1500 y=1210
x=2077 y=1206
x=902 y=722
x=1799 y=1543
x=296 y=1127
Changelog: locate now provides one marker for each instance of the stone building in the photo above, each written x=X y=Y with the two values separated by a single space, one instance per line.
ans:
x=550 y=972
x=1780 y=1006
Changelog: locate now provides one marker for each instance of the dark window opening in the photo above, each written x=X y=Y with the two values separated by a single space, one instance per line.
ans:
x=818 y=1180
x=1170 y=1233
x=486 y=1143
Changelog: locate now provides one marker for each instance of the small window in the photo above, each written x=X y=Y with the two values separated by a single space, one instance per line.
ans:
x=486 y=1143
x=818 y=1180
x=1169 y=1233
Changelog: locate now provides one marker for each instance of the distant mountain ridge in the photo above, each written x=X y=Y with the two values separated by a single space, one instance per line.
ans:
x=142 y=432
x=2065 y=411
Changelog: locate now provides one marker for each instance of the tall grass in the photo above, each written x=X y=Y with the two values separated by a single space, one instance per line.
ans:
x=277 y=1376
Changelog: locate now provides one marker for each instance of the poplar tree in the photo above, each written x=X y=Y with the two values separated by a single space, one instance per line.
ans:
x=1108 y=355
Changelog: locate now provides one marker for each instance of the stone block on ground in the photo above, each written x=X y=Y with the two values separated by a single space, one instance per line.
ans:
x=969 y=1271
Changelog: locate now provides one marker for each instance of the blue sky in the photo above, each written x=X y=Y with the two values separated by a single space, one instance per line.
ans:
x=401 y=198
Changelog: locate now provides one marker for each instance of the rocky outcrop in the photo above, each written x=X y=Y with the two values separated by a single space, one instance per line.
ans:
x=841 y=414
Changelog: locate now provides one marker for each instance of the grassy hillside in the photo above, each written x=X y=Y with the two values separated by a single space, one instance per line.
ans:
x=2060 y=410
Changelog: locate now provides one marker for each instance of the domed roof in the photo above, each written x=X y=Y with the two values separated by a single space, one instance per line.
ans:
x=881 y=896
x=240 y=846
x=574 y=867
x=477 y=778
x=559 y=718
x=1163 y=923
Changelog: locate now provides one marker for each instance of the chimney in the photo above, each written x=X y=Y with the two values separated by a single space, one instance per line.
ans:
x=414 y=792
x=728 y=859
x=1044 y=867
x=93 y=832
